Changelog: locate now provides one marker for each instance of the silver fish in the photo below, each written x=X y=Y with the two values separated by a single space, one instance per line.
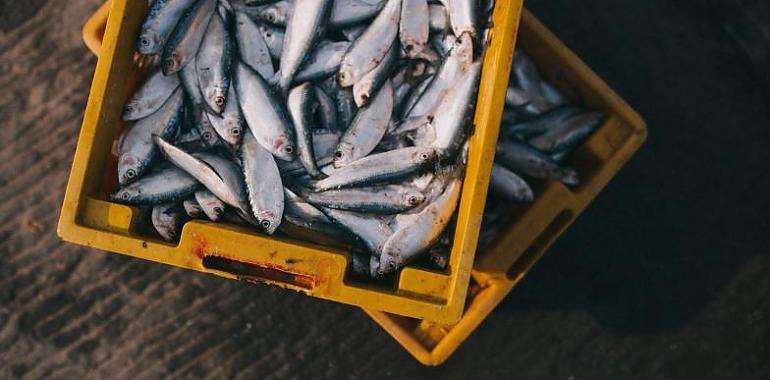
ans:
x=324 y=61
x=189 y=78
x=161 y=19
x=183 y=44
x=212 y=206
x=230 y=125
x=305 y=27
x=136 y=150
x=456 y=112
x=354 y=32
x=552 y=95
x=213 y=65
x=346 y=107
x=274 y=37
x=163 y=186
x=439 y=19
x=524 y=159
x=205 y=128
x=379 y=168
x=567 y=135
x=324 y=145
x=458 y=61
x=372 y=230
x=277 y=13
x=252 y=47
x=168 y=220
x=263 y=182
x=540 y=124
x=370 y=83
x=220 y=176
x=326 y=111
x=421 y=232
x=192 y=208
x=414 y=27
x=414 y=96
x=299 y=104
x=264 y=113
x=367 y=129
x=368 y=51
x=385 y=199
x=463 y=16
x=150 y=96
x=516 y=97
x=526 y=75
x=509 y=185
x=346 y=13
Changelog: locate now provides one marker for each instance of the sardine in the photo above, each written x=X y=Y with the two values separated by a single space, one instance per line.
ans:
x=386 y=199
x=220 y=176
x=299 y=104
x=346 y=13
x=509 y=185
x=213 y=65
x=526 y=160
x=160 y=22
x=189 y=78
x=380 y=168
x=230 y=125
x=372 y=230
x=168 y=220
x=421 y=232
x=205 y=128
x=370 y=84
x=324 y=145
x=326 y=111
x=414 y=96
x=150 y=96
x=414 y=27
x=162 y=186
x=136 y=150
x=184 y=41
x=192 y=208
x=252 y=47
x=264 y=113
x=463 y=15
x=274 y=37
x=526 y=75
x=277 y=13
x=263 y=182
x=324 y=61
x=367 y=128
x=305 y=27
x=212 y=206
x=368 y=51
x=539 y=124
x=565 y=136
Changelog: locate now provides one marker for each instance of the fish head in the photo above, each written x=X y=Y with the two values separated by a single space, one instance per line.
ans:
x=131 y=110
x=208 y=134
x=425 y=155
x=269 y=221
x=412 y=197
x=172 y=64
x=129 y=168
x=233 y=130
x=124 y=195
x=362 y=92
x=148 y=43
x=388 y=264
x=343 y=155
x=273 y=15
x=283 y=148
x=217 y=99
x=347 y=76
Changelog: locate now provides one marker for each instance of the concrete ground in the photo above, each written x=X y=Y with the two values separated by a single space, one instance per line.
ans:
x=666 y=275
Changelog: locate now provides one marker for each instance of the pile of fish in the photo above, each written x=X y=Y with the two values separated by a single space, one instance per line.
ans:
x=340 y=122
x=539 y=131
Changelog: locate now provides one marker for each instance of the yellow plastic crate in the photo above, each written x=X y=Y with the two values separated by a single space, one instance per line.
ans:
x=533 y=227
x=87 y=218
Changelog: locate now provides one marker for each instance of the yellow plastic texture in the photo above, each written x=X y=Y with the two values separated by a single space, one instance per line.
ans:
x=533 y=227
x=238 y=253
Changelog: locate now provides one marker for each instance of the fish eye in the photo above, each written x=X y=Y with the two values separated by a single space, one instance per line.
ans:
x=391 y=266
x=409 y=47
x=129 y=108
x=236 y=131
x=144 y=41
x=268 y=34
x=218 y=210
x=338 y=154
x=220 y=101
x=271 y=17
x=413 y=200
x=170 y=64
x=265 y=224
x=207 y=135
x=172 y=233
x=365 y=97
x=125 y=196
x=424 y=156
x=289 y=149
x=130 y=173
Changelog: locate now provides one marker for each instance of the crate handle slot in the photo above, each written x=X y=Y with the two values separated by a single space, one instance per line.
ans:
x=251 y=272
x=540 y=244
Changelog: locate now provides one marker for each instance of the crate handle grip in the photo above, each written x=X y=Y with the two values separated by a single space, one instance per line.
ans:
x=251 y=272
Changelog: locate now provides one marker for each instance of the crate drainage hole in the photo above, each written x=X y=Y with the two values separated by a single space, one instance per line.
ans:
x=256 y=273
